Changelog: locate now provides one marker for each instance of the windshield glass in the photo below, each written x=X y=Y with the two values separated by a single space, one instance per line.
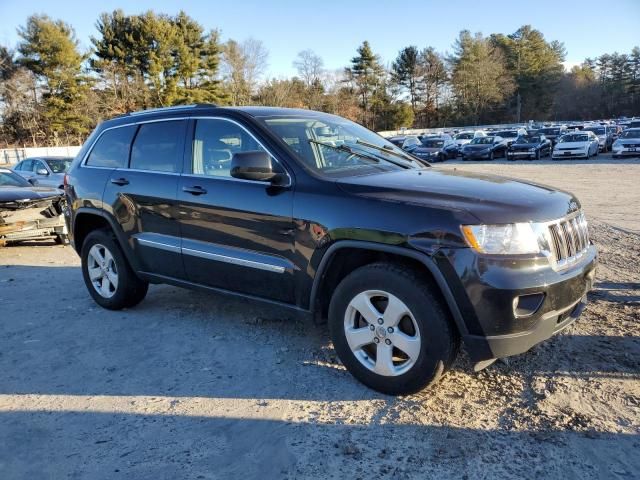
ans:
x=59 y=165
x=549 y=131
x=333 y=146
x=574 y=137
x=464 y=136
x=631 y=134
x=528 y=139
x=507 y=134
x=433 y=142
x=10 y=179
x=596 y=130
x=481 y=140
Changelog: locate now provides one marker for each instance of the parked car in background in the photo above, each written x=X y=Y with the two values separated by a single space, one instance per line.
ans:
x=28 y=211
x=627 y=144
x=49 y=171
x=507 y=135
x=604 y=134
x=463 y=138
x=435 y=148
x=553 y=133
x=316 y=213
x=532 y=147
x=484 y=148
x=633 y=124
x=576 y=145
x=398 y=140
x=410 y=142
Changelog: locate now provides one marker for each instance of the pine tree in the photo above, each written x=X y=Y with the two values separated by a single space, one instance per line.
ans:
x=366 y=73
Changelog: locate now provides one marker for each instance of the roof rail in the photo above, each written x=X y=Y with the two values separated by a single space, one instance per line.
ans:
x=171 y=109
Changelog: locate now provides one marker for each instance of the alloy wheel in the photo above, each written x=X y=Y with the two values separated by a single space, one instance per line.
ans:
x=102 y=270
x=382 y=333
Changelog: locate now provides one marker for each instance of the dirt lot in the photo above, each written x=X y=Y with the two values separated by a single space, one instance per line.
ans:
x=189 y=385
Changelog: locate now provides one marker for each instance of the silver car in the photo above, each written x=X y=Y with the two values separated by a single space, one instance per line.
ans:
x=627 y=144
x=48 y=171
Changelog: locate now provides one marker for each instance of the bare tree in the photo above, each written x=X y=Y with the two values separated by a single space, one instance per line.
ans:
x=242 y=66
x=309 y=67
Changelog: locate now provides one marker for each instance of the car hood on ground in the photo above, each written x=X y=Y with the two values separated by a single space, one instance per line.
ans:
x=10 y=194
x=489 y=198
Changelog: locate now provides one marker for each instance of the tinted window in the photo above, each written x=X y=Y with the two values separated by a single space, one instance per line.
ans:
x=59 y=165
x=158 y=147
x=8 y=179
x=112 y=148
x=26 y=166
x=214 y=144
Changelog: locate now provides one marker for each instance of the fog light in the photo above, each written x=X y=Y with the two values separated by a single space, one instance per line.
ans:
x=527 y=305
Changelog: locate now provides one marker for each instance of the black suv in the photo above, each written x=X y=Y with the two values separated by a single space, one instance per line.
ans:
x=316 y=213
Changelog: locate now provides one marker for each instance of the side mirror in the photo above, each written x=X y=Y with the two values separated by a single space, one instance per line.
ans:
x=42 y=171
x=253 y=165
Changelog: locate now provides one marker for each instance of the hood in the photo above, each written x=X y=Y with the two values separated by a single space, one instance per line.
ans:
x=570 y=145
x=11 y=194
x=478 y=146
x=489 y=198
x=427 y=149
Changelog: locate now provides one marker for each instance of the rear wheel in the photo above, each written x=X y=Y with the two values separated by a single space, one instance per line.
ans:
x=390 y=330
x=108 y=276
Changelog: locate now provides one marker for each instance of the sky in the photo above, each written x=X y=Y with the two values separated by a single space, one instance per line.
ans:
x=335 y=28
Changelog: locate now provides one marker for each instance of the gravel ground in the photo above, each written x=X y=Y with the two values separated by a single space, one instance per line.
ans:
x=189 y=385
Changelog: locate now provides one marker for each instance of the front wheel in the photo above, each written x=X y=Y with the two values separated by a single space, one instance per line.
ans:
x=390 y=329
x=108 y=276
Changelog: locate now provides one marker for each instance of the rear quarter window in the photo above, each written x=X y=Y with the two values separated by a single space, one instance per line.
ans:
x=112 y=148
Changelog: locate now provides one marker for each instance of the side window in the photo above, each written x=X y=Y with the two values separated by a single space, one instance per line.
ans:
x=39 y=165
x=112 y=148
x=27 y=166
x=214 y=144
x=158 y=146
x=18 y=167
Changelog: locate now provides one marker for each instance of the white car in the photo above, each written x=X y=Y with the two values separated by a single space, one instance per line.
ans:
x=627 y=144
x=463 y=138
x=576 y=145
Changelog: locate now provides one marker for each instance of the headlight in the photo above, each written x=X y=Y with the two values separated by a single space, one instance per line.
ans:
x=509 y=239
x=532 y=150
x=617 y=144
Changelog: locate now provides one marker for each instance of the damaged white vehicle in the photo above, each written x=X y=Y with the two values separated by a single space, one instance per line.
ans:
x=28 y=211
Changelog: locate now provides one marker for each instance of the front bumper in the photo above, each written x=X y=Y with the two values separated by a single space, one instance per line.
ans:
x=485 y=289
x=567 y=154
x=626 y=151
x=475 y=156
x=520 y=154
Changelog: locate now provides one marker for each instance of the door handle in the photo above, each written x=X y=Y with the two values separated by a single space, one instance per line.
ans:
x=120 y=181
x=195 y=190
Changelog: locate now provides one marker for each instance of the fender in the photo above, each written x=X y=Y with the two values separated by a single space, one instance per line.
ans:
x=126 y=249
x=424 y=259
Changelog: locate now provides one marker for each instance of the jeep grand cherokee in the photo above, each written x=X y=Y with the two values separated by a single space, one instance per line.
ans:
x=317 y=213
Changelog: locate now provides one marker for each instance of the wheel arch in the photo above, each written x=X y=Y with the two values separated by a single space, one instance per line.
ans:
x=87 y=219
x=368 y=252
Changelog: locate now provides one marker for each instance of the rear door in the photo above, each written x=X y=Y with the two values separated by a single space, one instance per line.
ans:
x=142 y=196
x=237 y=234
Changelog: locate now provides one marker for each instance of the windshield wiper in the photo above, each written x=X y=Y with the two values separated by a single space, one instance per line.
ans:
x=344 y=148
x=385 y=149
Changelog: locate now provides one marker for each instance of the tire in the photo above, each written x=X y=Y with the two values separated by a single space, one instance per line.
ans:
x=537 y=155
x=491 y=156
x=433 y=341
x=127 y=290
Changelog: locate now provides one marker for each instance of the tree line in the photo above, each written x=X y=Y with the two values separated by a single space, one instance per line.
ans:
x=54 y=93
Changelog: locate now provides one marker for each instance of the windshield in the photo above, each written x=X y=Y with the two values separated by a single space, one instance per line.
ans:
x=631 y=134
x=528 y=139
x=333 y=146
x=10 y=179
x=481 y=140
x=574 y=137
x=59 y=165
x=507 y=134
x=433 y=142
x=596 y=130
x=464 y=136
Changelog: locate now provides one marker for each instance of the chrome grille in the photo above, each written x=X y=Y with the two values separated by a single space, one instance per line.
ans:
x=569 y=239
